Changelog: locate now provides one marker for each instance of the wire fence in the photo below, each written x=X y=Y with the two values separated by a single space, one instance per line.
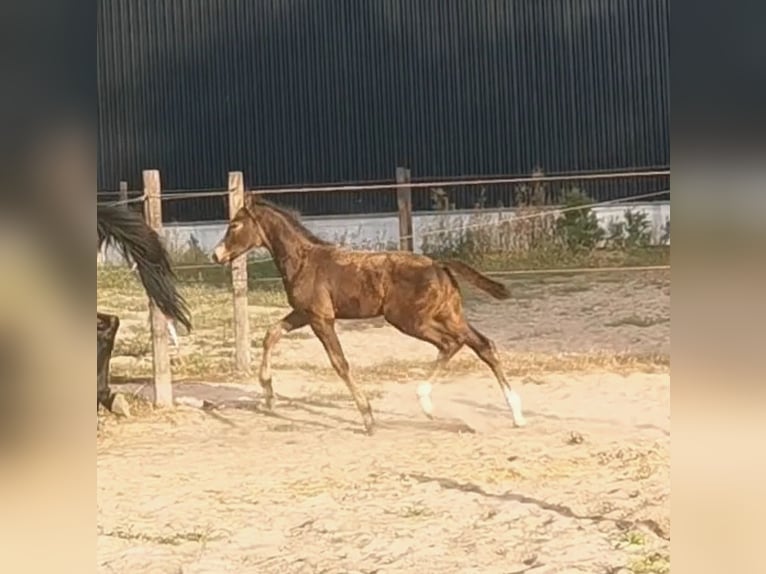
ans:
x=546 y=192
x=379 y=197
x=553 y=212
x=546 y=195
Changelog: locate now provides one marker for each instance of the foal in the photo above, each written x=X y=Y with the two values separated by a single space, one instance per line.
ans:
x=414 y=293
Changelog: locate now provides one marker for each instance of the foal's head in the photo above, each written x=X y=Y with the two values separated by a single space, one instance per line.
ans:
x=243 y=234
x=246 y=230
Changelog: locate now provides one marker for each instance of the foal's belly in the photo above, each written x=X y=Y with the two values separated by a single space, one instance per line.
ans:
x=357 y=308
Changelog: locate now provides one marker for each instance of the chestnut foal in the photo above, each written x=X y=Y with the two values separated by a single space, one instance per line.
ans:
x=416 y=294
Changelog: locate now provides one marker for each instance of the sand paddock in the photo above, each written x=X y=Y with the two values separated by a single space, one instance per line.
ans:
x=583 y=488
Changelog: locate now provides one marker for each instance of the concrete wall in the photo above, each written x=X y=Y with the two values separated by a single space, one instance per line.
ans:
x=382 y=230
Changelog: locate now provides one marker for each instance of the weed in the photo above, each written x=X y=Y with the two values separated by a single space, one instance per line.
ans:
x=193 y=254
x=414 y=511
x=575 y=438
x=654 y=563
x=173 y=539
x=570 y=289
x=631 y=539
x=138 y=346
x=632 y=234
x=578 y=225
x=665 y=239
x=638 y=321
x=538 y=233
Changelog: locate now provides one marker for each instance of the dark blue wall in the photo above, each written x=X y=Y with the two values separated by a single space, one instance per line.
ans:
x=311 y=91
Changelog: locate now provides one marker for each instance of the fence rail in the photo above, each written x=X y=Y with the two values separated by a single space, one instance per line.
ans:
x=203 y=205
x=402 y=195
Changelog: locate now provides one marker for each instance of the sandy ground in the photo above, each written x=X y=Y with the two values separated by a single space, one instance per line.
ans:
x=583 y=488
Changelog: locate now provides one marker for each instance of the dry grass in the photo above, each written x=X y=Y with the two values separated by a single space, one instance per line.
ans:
x=173 y=539
x=207 y=352
x=654 y=563
x=631 y=539
x=638 y=321
x=141 y=409
x=516 y=365
x=137 y=345
x=569 y=289
x=535 y=236
x=342 y=396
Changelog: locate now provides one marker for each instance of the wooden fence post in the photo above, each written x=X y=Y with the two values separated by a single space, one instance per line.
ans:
x=404 y=205
x=163 y=380
x=123 y=197
x=239 y=283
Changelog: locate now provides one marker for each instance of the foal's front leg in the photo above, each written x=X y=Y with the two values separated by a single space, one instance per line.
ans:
x=324 y=329
x=293 y=320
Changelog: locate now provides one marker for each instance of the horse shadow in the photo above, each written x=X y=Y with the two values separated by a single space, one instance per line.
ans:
x=321 y=413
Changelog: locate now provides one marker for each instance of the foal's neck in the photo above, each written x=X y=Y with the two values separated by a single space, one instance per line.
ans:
x=286 y=245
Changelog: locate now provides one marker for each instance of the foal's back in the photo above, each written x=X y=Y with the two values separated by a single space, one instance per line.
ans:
x=363 y=284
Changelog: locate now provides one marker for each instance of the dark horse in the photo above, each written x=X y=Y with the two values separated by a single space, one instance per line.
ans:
x=138 y=242
x=323 y=282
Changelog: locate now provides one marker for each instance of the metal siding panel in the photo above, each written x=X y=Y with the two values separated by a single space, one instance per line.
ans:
x=299 y=91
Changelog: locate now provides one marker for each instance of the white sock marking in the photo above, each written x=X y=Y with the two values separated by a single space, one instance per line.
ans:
x=514 y=403
x=424 y=398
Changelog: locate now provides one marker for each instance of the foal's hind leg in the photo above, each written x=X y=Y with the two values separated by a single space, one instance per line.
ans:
x=447 y=350
x=325 y=331
x=292 y=321
x=485 y=349
x=431 y=330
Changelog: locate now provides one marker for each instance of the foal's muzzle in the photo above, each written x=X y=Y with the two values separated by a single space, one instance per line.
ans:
x=220 y=255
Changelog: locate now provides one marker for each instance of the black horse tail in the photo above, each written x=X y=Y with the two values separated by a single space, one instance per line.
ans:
x=138 y=242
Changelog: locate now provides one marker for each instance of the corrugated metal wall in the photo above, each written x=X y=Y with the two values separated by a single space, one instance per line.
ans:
x=312 y=91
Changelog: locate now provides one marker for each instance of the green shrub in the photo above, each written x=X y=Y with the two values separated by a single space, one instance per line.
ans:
x=616 y=235
x=637 y=229
x=665 y=239
x=634 y=232
x=193 y=254
x=578 y=225
x=538 y=235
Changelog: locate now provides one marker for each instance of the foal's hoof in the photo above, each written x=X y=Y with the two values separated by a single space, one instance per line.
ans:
x=268 y=394
x=369 y=424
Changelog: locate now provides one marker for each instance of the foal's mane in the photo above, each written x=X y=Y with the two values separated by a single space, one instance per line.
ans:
x=290 y=216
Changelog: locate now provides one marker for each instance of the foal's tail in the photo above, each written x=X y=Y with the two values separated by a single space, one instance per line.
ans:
x=139 y=242
x=494 y=288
